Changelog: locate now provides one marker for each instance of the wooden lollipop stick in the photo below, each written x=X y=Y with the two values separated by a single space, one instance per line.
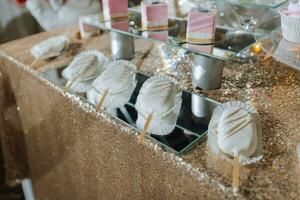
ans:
x=33 y=63
x=70 y=83
x=101 y=101
x=236 y=173
x=146 y=127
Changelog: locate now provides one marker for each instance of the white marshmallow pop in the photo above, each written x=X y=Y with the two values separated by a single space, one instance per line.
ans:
x=118 y=80
x=235 y=128
x=160 y=96
x=49 y=48
x=82 y=71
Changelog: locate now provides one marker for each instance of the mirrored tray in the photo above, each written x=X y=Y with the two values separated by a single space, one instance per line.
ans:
x=191 y=126
x=225 y=47
x=276 y=46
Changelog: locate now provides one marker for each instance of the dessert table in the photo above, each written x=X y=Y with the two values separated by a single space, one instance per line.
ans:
x=72 y=152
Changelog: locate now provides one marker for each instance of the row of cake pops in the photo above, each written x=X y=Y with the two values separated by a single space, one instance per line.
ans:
x=110 y=84
x=234 y=129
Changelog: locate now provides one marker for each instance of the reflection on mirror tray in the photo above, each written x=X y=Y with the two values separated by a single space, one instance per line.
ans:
x=191 y=125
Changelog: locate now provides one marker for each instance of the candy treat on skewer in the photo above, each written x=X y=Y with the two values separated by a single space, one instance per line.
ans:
x=83 y=70
x=234 y=133
x=158 y=106
x=49 y=48
x=54 y=46
x=114 y=87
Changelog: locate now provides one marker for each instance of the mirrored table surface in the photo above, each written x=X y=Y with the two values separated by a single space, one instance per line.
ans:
x=191 y=126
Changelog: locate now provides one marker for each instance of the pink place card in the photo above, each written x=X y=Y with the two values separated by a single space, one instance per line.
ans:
x=154 y=16
x=201 y=27
x=115 y=9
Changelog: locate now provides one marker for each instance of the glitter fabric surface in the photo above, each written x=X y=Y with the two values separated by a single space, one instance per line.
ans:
x=75 y=153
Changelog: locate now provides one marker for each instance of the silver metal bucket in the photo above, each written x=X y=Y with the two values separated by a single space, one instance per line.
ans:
x=207 y=72
x=122 y=46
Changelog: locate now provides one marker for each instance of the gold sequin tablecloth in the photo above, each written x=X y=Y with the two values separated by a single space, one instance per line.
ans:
x=71 y=152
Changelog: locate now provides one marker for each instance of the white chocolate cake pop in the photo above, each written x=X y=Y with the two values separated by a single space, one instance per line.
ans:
x=237 y=132
x=161 y=96
x=84 y=68
x=235 y=128
x=158 y=95
x=49 y=48
x=119 y=79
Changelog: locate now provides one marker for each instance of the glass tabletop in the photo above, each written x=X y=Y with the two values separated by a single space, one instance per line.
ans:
x=276 y=46
x=224 y=48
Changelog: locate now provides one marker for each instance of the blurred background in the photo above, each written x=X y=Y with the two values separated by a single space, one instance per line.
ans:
x=18 y=19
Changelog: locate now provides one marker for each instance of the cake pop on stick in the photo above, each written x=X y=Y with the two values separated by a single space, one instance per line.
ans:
x=49 y=48
x=158 y=105
x=80 y=72
x=114 y=87
x=235 y=133
x=83 y=69
x=53 y=46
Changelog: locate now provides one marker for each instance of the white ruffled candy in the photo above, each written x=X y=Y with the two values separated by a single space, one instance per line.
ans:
x=84 y=68
x=235 y=127
x=119 y=79
x=237 y=132
x=161 y=96
x=49 y=48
